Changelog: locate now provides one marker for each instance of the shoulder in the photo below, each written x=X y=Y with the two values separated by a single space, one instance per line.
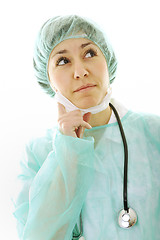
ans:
x=43 y=138
x=146 y=123
x=40 y=145
x=145 y=118
x=131 y=117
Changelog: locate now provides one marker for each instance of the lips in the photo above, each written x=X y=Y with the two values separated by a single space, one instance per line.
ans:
x=84 y=87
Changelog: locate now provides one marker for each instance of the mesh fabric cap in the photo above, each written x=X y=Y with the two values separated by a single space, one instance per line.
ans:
x=60 y=28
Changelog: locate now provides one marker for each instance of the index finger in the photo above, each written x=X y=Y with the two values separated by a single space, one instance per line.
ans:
x=61 y=109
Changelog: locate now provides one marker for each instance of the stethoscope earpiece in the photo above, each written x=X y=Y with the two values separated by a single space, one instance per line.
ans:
x=127 y=219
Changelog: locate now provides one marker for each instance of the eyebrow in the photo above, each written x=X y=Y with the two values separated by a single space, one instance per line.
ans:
x=66 y=51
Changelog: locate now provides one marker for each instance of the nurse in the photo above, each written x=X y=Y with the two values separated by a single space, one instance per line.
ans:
x=72 y=177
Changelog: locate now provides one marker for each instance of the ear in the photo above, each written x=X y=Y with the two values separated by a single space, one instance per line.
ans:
x=54 y=89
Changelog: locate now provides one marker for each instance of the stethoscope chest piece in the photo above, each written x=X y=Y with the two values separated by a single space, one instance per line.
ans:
x=127 y=219
x=82 y=238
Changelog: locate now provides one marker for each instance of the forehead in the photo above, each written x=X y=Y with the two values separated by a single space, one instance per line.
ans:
x=75 y=41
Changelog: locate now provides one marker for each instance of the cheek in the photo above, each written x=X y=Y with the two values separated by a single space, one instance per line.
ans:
x=56 y=78
x=101 y=70
x=60 y=81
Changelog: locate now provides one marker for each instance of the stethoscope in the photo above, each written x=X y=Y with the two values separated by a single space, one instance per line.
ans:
x=127 y=217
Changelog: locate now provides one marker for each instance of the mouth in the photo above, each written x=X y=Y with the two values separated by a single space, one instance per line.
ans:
x=85 y=87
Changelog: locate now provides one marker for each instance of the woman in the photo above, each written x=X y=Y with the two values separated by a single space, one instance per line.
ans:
x=72 y=178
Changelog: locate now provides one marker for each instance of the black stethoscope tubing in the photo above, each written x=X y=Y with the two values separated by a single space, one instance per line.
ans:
x=125 y=202
x=74 y=237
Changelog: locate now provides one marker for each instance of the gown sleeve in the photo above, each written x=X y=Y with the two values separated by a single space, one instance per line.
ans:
x=53 y=189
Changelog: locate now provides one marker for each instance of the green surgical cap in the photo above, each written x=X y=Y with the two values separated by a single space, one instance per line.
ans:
x=60 y=28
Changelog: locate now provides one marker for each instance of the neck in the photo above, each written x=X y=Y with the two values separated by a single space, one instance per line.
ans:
x=100 y=118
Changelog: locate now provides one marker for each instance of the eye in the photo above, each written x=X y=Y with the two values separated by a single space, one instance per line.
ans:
x=91 y=52
x=61 y=60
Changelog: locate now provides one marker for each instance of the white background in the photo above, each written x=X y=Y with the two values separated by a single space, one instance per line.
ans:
x=133 y=29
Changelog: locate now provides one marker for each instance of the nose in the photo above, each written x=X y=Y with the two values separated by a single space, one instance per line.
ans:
x=80 y=71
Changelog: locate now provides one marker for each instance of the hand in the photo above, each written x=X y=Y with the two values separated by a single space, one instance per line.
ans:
x=72 y=123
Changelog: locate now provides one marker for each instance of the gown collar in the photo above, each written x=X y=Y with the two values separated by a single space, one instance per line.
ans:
x=121 y=109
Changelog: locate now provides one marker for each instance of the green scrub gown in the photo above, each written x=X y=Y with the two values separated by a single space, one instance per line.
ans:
x=62 y=176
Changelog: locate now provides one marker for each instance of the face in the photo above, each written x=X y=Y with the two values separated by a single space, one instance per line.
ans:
x=78 y=69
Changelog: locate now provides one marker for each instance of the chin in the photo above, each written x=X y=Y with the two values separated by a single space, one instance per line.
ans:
x=88 y=101
x=87 y=104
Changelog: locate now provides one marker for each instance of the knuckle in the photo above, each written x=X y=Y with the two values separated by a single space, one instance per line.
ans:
x=59 y=119
x=63 y=125
x=59 y=122
x=78 y=112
